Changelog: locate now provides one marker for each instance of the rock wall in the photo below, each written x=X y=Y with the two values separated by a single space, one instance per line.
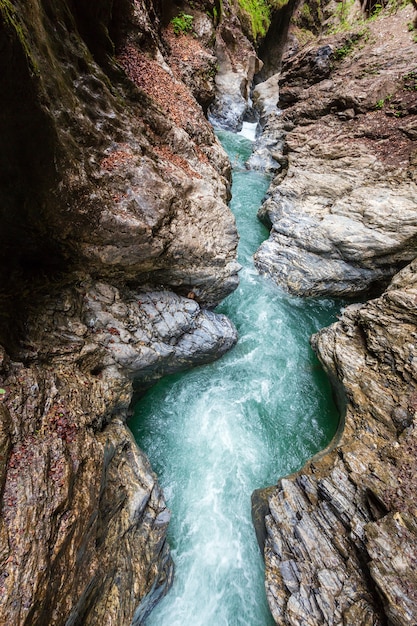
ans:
x=116 y=240
x=83 y=520
x=339 y=536
x=342 y=210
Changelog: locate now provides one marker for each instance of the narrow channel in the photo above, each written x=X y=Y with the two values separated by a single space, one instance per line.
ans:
x=218 y=432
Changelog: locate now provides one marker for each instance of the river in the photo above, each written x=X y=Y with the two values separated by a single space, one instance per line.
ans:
x=218 y=432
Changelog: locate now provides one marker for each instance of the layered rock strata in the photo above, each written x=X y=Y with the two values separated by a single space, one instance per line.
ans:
x=237 y=65
x=341 y=534
x=139 y=171
x=83 y=520
x=115 y=238
x=342 y=210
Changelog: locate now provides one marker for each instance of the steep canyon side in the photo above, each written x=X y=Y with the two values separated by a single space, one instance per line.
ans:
x=116 y=241
x=342 y=210
x=340 y=534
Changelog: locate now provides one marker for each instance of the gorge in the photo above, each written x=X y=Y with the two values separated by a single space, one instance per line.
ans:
x=217 y=433
x=117 y=245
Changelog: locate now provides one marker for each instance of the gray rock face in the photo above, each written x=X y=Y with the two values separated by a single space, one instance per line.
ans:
x=237 y=65
x=126 y=334
x=82 y=513
x=341 y=535
x=108 y=181
x=268 y=151
x=343 y=209
x=73 y=470
x=140 y=173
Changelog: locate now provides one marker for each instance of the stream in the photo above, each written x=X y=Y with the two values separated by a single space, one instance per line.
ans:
x=216 y=433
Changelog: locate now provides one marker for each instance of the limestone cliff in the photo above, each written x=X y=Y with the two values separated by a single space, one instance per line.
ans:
x=340 y=535
x=115 y=239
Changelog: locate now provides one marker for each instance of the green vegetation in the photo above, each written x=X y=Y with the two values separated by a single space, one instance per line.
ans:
x=346 y=16
x=392 y=109
x=343 y=10
x=259 y=14
x=380 y=103
x=343 y=51
x=376 y=10
x=410 y=81
x=214 y=16
x=2 y=392
x=182 y=23
x=305 y=12
x=412 y=27
x=353 y=41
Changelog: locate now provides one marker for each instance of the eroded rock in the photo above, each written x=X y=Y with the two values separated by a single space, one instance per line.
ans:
x=237 y=65
x=343 y=208
x=78 y=495
x=340 y=546
x=113 y=195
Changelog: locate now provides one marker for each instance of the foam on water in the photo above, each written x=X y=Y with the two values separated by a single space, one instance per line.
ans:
x=222 y=430
x=249 y=130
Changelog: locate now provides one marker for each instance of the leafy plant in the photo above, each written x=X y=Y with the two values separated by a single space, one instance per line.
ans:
x=182 y=23
x=214 y=16
x=376 y=10
x=259 y=14
x=350 y=43
x=343 y=51
x=410 y=80
x=2 y=392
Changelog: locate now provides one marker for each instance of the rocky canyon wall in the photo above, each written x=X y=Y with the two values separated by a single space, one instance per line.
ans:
x=115 y=242
x=339 y=536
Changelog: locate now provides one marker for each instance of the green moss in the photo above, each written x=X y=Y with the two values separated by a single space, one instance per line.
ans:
x=12 y=21
x=305 y=12
x=259 y=13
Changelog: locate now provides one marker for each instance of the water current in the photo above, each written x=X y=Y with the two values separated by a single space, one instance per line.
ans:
x=218 y=432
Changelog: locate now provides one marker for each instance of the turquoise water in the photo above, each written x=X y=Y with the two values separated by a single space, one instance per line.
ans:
x=220 y=431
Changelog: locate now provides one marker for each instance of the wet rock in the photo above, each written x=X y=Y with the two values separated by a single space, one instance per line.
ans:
x=268 y=151
x=141 y=173
x=341 y=534
x=343 y=207
x=127 y=334
x=113 y=197
x=72 y=469
x=237 y=65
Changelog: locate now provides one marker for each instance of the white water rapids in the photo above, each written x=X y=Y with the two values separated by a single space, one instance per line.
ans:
x=220 y=431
